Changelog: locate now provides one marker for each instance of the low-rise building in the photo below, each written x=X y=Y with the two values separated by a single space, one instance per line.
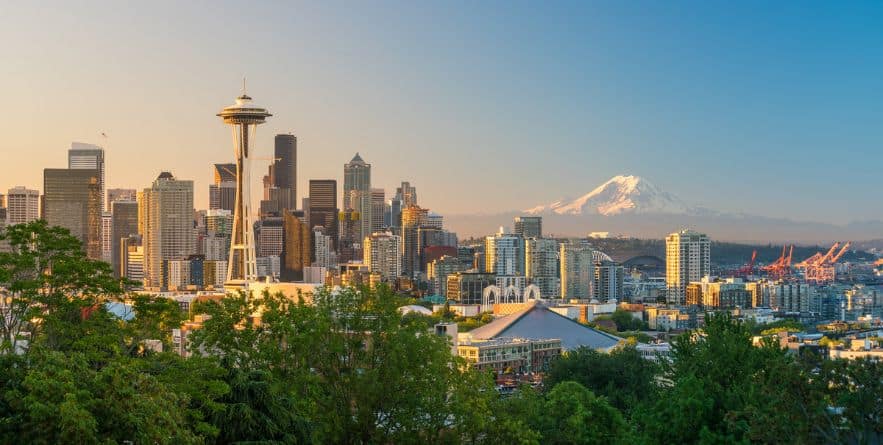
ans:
x=515 y=355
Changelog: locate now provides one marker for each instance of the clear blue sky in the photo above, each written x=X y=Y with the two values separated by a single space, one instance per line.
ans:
x=772 y=108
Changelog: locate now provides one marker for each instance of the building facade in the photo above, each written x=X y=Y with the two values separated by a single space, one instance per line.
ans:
x=168 y=225
x=382 y=255
x=72 y=199
x=687 y=259
x=22 y=205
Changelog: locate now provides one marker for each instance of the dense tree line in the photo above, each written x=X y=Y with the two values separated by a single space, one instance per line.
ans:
x=346 y=367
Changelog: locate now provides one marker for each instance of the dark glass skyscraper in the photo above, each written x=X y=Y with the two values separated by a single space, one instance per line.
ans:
x=323 y=207
x=72 y=199
x=285 y=170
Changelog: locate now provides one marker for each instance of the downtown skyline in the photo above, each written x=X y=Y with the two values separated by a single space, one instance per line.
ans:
x=482 y=87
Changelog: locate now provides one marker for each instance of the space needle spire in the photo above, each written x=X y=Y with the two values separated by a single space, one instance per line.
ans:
x=243 y=117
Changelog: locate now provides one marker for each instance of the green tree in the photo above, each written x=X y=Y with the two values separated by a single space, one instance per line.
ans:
x=625 y=321
x=50 y=287
x=574 y=415
x=622 y=376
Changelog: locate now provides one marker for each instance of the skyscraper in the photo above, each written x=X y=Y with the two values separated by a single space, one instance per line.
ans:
x=298 y=247
x=125 y=224
x=529 y=226
x=378 y=205
x=72 y=199
x=413 y=218
x=107 y=237
x=541 y=265
x=687 y=259
x=269 y=236
x=406 y=194
x=383 y=255
x=504 y=254
x=168 y=225
x=323 y=208
x=577 y=271
x=357 y=193
x=114 y=195
x=88 y=157
x=285 y=170
x=244 y=117
x=22 y=205
x=608 y=285
x=222 y=193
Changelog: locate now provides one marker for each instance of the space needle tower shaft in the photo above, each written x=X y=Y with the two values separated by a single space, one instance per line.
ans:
x=243 y=117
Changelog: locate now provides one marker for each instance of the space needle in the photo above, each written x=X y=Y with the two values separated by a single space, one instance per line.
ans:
x=243 y=117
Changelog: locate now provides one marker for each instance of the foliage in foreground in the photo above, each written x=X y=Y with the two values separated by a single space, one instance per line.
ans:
x=349 y=369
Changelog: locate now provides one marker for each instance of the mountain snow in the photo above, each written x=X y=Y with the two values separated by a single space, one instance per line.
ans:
x=621 y=194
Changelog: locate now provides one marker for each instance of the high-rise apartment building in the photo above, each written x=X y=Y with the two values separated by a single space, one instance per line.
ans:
x=541 y=265
x=72 y=199
x=222 y=193
x=168 y=225
x=132 y=259
x=608 y=285
x=88 y=157
x=577 y=271
x=22 y=205
x=298 y=247
x=125 y=224
x=357 y=193
x=382 y=255
x=504 y=254
x=528 y=226
x=323 y=249
x=114 y=195
x=107 y=237
x=687 y=259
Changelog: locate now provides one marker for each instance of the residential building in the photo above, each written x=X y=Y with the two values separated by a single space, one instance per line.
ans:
x=577 y=271
x=22 y=205
x=504 y=254
x=528 y=226
x=168 y=225
x=541 y=265
x=438 y=270
x=382 y=255
x=687 y=259
x=609 y=279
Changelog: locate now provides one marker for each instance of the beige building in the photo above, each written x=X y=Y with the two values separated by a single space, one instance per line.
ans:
x=167 y=220
x=382 y=255
x=687 y=259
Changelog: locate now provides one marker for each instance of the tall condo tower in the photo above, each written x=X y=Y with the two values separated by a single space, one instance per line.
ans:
x=243 y=117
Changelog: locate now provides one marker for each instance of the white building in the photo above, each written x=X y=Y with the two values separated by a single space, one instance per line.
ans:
x=577 y=271
x=268 y=266
x=687 y=259
x=541 y=265
x=22 y=205
x=382 y=254
x=504 y=254
x=168 y=225
x=107 y=237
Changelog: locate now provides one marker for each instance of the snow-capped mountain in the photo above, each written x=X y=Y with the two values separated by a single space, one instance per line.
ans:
x=620 y=195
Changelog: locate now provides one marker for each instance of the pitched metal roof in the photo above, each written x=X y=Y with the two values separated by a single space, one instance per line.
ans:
x=538 y=321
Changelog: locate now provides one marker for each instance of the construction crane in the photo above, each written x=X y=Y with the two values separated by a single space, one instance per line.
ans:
x=822 y=269
x=780 y=268
x=747 y=269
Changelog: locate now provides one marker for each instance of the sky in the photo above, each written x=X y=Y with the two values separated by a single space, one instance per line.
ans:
x=768 y=108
